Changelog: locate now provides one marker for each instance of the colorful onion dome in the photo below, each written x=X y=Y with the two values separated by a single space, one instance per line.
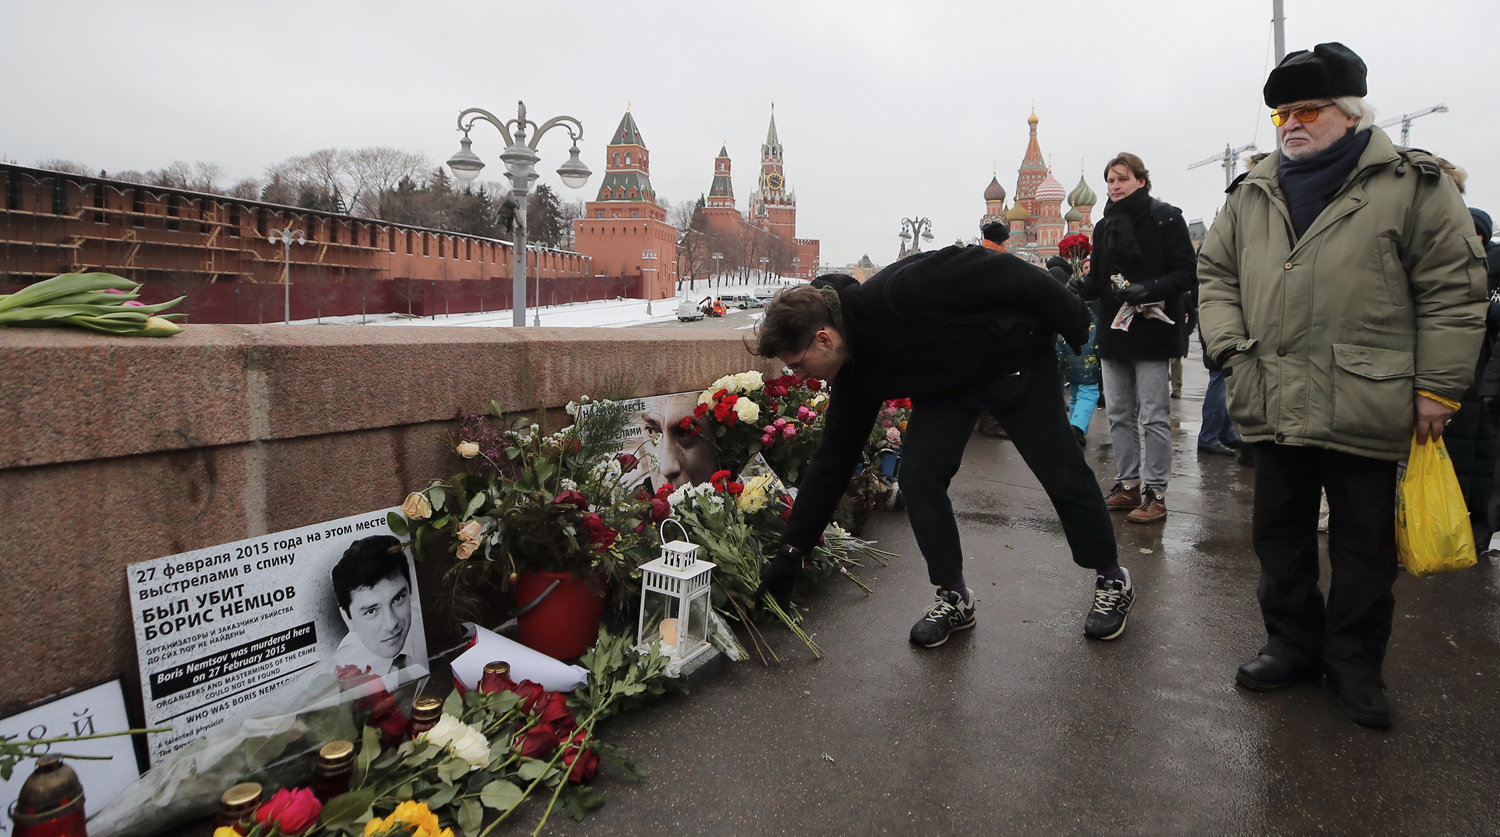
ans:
x=1082 y=195
x=1017 y=213
x=1050 y=190
x=995 y=192
x=1073 y=216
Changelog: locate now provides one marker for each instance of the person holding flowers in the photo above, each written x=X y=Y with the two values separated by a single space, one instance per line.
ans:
x=957 y=331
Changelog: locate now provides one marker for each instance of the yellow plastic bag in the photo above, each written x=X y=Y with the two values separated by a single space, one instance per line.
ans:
x=1432 y=522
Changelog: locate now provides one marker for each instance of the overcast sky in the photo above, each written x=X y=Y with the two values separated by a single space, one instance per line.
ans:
x=886 y=109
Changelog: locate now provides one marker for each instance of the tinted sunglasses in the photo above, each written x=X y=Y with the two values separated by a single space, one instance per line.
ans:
x=1303 y=113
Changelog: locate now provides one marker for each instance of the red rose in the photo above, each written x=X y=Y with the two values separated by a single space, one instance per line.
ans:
x=643 y=496
x=539 y=742
x=575 y=445
x=660 y=510
x=555 y=712
x=582 y=762
x=814 y=384
x=602 y=536
x=292 y=811
x=392 y=728
x=701 y=410
x=734 y=488
x=665 y=491
x=571 y=499
x=530 y=694
x=628 y=461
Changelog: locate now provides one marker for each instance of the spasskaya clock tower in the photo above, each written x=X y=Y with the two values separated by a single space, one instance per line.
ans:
x=773 y=207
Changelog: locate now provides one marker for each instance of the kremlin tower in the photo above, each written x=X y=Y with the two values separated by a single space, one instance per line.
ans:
x=624 y=230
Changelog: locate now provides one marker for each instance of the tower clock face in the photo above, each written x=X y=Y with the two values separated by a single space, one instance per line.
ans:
x=774 y=181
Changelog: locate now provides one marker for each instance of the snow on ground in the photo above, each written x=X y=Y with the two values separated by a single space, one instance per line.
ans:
x=600 y=313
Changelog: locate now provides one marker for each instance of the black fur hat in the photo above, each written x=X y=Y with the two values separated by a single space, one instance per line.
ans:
x=995 y=231
x=1328 y=71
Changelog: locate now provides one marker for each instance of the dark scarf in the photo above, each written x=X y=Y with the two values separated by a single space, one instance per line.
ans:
x=1308 y=184
x=1117 y=239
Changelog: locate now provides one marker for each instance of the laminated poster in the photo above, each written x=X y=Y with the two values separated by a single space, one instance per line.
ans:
x=89 y=711
x=217 y=628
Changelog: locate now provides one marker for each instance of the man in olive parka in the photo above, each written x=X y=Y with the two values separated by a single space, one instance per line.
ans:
x=1343 y=289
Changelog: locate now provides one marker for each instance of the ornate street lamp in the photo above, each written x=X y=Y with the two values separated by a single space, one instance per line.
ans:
x=915 y=230
x=717 y=257
x=287 y=237
x=520 y=160
x=648 y=256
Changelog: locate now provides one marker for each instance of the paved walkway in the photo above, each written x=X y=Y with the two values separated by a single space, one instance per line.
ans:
x=1022 y=726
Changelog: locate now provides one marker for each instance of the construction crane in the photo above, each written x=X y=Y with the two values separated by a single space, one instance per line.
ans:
x=1228 y=160
x=1406 y=118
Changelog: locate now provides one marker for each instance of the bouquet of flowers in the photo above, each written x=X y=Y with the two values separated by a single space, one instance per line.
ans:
x=95 y=301
x=1075 y=248
x=557 y=502
x=779 y=418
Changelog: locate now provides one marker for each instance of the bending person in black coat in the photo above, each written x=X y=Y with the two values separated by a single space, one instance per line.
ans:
x=957 y=331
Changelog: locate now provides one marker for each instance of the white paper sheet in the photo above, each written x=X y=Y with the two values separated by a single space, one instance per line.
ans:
x=525 y=664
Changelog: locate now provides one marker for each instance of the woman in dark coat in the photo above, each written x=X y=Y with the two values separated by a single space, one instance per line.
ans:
x=1143 y=265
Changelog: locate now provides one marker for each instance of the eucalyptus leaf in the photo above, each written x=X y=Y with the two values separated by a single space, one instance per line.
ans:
x=501 y=795
x=369 y=748
x=470 y=815
x=397 y=524
x=474 y=504
x=345 y=808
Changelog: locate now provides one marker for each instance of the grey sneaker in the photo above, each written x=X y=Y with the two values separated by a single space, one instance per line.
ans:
x=948 y=614
x=1112 y=602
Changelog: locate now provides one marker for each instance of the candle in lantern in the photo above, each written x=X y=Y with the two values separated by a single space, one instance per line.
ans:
x=668 y=632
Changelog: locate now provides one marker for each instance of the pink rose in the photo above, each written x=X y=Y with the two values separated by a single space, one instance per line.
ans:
x=893 y=436
x=780 y=423
x=789 y=431
x=806 y=415
x=768 y=439
x=292 y=811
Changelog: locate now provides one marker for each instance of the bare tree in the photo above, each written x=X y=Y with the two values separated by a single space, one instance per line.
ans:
x=246 y=189
x=408 y=290
x=376 y=170
x=66 y=167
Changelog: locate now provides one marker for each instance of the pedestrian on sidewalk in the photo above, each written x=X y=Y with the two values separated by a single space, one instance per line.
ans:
x=1143 y=264
x=1217 y=434
x=956 y=330
x=1080 y=370
x=1343 y=291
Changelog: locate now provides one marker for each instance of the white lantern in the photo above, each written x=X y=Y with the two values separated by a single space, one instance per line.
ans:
x=675 y=600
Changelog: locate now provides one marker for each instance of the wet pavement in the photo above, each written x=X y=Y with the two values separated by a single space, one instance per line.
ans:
x=1022 y=726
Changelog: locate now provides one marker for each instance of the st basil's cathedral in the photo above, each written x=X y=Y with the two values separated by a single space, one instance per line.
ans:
x=1036 y=219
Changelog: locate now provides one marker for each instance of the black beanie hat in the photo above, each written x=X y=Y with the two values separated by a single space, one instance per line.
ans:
x=1328 y=71
x=1060 y=263
x=995 y=231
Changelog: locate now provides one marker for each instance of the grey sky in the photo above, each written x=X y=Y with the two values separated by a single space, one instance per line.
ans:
x=885 y=109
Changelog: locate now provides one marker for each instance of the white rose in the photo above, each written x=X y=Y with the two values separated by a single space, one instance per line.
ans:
x=706 y=396
x=472 y=747
x=747 y=410
x=468 y=450
x=443 y=731
x=727 y=382
x=750 y=381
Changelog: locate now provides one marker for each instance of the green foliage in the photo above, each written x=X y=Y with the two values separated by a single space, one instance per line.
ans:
x=620 y=677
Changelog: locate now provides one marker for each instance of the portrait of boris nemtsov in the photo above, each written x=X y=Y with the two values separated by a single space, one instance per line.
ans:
x=373 y=586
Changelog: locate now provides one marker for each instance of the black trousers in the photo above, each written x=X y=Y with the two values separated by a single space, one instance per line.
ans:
x=1348 y=632
x=1029 y=405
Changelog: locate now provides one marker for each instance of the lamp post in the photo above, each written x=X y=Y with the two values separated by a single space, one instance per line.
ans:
x=717 y=257
x=916 y=230
x=287 y=237
x=763 y=262
x=520 y=160
x=649 y=256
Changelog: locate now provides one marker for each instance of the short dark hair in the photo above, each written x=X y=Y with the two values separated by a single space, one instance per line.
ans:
x=792 y=318
x=1136 y=166
x=366 y=563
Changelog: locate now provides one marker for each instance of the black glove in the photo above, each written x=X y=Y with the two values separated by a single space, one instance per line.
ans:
x=1492 y=408
x=1134 y=294
x=780 y=576
x=1076 y=284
